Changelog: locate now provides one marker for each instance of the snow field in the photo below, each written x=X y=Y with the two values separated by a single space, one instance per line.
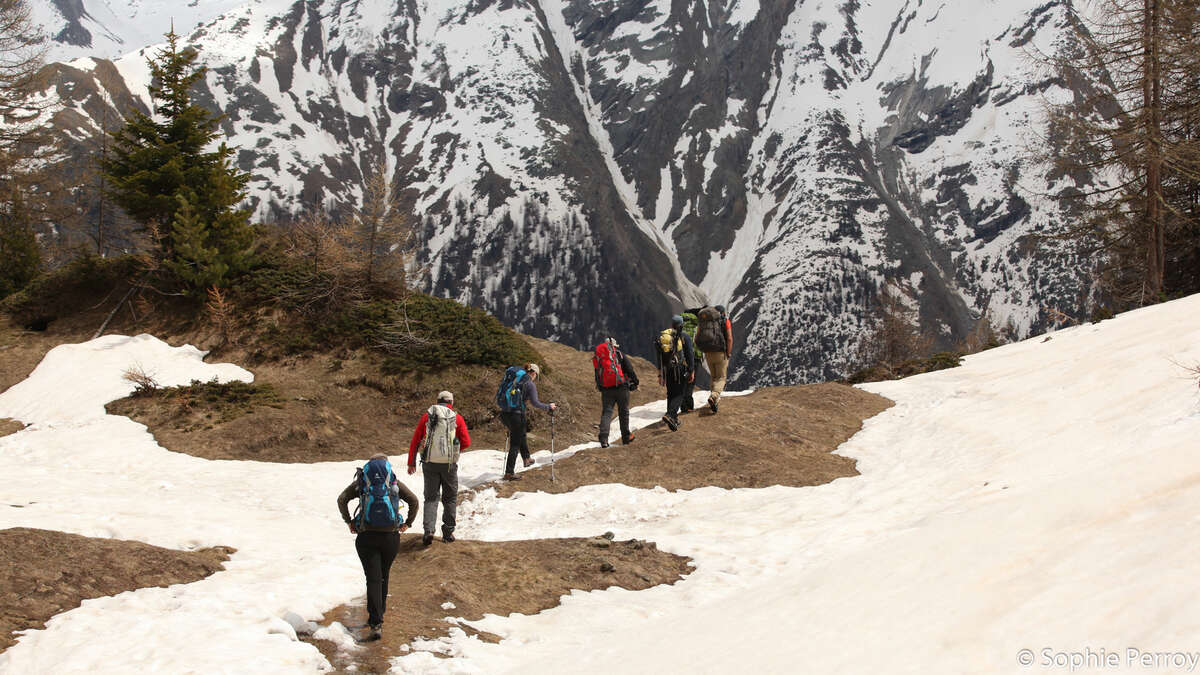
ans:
x=1042 y=496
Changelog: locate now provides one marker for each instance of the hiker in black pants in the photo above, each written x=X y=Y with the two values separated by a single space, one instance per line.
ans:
x=615 y=378
x=376 y=549
x=515 y=421
x=676 y=368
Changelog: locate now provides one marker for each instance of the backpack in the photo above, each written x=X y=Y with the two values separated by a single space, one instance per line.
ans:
x=710 y=331
x=441 y=436
x=690 y=322
x=378 y=498
x=607 y=362
x=674 y=360
x=510 y=397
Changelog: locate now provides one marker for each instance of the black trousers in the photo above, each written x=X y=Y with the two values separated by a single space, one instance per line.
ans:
x=376 y=551
x=676 y=390
x=440 y=478
x=687 y=404
x=619 y=397
x=517 y=442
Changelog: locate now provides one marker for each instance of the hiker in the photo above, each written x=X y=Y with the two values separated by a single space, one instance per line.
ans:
x=676 y=367
x=516 y=389
x=378 y=525
x=441 y=434
x=714 y=337
x=615 y=378
x=689 y=399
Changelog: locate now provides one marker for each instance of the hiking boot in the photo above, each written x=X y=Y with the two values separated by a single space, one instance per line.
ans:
x=627 y=439
x=447 y=537
x=672 y=422
x=510 y=476
x=528 y=462
x=427 y=539
x=712 y=404
x=373 y=633
x=604 y=442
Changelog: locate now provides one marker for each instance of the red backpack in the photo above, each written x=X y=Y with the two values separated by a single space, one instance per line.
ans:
x=607 y=362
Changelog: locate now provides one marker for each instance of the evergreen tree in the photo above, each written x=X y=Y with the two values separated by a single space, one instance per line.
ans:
x=194 y=261
x=20 y=255
x=162 y=165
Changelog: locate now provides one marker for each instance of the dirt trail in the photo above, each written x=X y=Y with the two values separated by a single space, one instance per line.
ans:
x=775 y=436
x=479 y=577
x=43 y=573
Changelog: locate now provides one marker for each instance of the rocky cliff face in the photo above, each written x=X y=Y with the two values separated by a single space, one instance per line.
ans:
x=584 y=167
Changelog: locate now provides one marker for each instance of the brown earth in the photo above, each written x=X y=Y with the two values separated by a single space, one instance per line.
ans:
x=503 y=577
x=336 y=406
x=775 y=436
x=343 y=409
x=9 y=426
x=43 y=573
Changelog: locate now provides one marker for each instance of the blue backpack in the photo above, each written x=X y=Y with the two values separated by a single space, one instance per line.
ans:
x=378 y=498
x=511 y=397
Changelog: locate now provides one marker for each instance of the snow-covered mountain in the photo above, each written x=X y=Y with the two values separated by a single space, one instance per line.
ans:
x=585 y=168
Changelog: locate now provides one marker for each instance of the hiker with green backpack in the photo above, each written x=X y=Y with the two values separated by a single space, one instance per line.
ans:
x=676 y=367
x=689 y=327
x=516 y=389
x=441 y=434
x=714 y=337
x=378 y=523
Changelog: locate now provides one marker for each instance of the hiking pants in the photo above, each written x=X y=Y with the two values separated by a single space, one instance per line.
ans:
x=688 y=402
x=376 y=551
x=517 y=442
x=441 y=478
x=676 y=390
x=618 y=396
x=717 y=364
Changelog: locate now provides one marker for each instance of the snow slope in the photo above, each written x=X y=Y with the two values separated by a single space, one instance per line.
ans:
x=1043 y=496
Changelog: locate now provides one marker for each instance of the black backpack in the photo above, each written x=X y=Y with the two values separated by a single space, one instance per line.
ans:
x=710 y=332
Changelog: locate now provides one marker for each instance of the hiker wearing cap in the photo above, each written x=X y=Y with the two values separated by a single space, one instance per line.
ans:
x=378 y=525
x=441 y=434
x=615 y=378
x=714 y=337
x=676 y=367
x=517 y=389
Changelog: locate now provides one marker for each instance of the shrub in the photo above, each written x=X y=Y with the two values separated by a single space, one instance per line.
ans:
x=70 y=288
x=435 y=333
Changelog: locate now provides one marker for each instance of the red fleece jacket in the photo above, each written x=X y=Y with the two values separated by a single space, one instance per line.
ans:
x=464 y=438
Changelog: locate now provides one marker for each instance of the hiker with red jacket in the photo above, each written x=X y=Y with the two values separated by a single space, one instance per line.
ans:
x=714 y=337
x=615 y=378
x=516 y=390
x=441 y=434
x=378 y=525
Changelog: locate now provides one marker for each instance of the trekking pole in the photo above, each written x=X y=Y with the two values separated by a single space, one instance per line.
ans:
x=552 y=479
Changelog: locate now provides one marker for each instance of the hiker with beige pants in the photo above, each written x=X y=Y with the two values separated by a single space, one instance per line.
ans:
x=714 y=337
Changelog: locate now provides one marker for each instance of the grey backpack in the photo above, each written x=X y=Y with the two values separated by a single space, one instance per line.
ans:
x=441 y=436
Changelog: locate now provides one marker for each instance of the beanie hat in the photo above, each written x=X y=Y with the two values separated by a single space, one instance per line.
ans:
x=446 y=397
x=676 y=320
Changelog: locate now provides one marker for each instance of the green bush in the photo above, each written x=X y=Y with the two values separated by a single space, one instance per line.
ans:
x=447 y=333
x=70 y=288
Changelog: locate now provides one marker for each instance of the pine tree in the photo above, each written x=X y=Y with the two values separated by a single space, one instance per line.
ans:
x=158 y=164
x=194 y=261
x=20 y=255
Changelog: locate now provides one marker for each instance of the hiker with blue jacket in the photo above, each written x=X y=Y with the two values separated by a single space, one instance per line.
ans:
x=378 y=525
x=517 y=389
x=441 y=434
